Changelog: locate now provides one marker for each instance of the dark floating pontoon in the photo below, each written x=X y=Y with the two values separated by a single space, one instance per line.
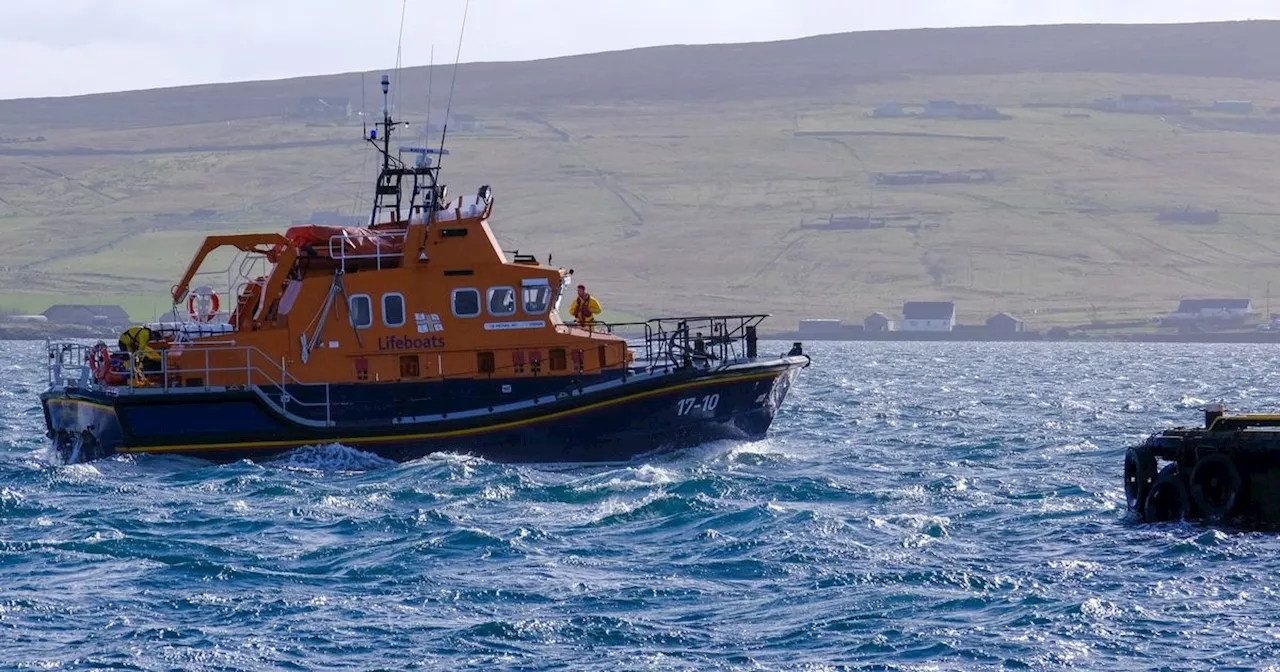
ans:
x=1226 y=471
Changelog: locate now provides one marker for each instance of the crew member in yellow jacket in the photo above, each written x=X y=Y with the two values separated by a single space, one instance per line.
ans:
x=585 y=307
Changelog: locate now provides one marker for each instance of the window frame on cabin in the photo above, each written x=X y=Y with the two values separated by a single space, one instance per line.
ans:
x=403 y=309
x=488 y=303
x=351 y=311
x=533 y=284
x=453 y=302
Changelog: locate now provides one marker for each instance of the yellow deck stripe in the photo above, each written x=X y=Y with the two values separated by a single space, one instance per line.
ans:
x=445 y=434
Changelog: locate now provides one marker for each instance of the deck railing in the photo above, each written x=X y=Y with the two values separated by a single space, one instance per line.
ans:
x=378 y=245
x=685 y=342
x=658 y=345
x=252 y=369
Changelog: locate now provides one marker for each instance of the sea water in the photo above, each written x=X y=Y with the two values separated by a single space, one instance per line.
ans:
x=917 y=506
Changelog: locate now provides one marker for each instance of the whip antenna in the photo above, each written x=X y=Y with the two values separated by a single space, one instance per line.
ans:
x=399 y=50
x=431 y=71
x=457 y=57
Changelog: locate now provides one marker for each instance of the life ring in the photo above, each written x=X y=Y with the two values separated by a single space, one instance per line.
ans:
x=203 y=304
x=1139 y=474
x=1168 y=499
x=99 y=360
x=1216 y=485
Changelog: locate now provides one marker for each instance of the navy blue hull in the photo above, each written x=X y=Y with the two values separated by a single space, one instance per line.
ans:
x=616 y=422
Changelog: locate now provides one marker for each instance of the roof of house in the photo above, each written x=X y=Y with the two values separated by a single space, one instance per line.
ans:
x=1201 y=305
x=100 y=311
x=1005 y=316
x=929 y=310
x=332 y=101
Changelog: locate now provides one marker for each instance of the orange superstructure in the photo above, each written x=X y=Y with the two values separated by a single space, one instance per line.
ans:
x=436 y=297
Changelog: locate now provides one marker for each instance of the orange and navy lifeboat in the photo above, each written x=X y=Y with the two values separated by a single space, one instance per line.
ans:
x=412 y=334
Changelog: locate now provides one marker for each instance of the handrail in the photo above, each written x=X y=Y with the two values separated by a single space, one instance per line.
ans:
x=250 y=368
x=667 y=344
x=64 y=358
x=338 y=245
x=682 y=342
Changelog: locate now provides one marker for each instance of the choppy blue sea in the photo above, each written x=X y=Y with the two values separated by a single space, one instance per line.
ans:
x=918 y=506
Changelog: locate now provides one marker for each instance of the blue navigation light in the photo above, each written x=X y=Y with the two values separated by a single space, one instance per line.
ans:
x=373 y=134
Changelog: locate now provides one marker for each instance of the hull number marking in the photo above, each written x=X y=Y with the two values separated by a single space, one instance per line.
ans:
x=705 y=403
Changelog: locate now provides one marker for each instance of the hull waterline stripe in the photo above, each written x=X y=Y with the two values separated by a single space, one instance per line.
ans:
x=81 y=402
x=444 y=434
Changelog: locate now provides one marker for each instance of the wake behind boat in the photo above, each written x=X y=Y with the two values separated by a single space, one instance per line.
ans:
x=414 y=334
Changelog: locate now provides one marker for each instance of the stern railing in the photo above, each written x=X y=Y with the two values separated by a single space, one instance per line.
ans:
x=252 y=370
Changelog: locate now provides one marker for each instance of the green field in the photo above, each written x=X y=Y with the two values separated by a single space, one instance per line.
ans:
x=667 y=204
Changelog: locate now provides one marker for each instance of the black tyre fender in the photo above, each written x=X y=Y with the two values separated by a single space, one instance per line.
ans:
x=1168 y=500
x=1216 y=485
x=1139 y=475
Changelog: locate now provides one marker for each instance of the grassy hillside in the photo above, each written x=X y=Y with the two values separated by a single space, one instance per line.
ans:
x=678 y=179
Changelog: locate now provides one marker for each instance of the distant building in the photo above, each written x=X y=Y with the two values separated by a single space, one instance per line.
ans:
x=1142 y=103
x=950 y=109
x=316 y=107
x=847 y=223
x=928 y=316
x=820 y=327
x=1004 y=323
x=1213 y=310
x=933 y=177
x=1233 y=106
x=87 y=315
x=877 y=322
x=458 y=123
x=889 y=111
x=1189 y=215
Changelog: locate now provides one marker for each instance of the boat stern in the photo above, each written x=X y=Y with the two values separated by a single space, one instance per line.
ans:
x=82 y=427
x=79 y=415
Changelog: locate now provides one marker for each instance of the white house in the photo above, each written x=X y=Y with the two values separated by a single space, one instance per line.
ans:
x=928 y=316
x=1191 y=310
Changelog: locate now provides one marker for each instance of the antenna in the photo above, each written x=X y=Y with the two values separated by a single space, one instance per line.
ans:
x=386 y=121
x=431 y=71
x=444 y=131
x=399 y=46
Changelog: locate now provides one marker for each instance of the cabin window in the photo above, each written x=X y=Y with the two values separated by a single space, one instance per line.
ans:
x=466 y=302
x=502 y=301
x=536 y=297
x=558 y=360
x=361 y=311
x=392 y=310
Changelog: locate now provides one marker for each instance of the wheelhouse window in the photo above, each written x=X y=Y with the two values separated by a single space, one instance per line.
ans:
x=536 y=296
x=466 y=302
x=502 y=301
x=393 y=309
x=361 y=311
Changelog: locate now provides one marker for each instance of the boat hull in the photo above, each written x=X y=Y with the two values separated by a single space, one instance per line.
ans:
x=614 y=423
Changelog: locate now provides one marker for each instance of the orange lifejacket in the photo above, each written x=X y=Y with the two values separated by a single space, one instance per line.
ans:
x=582 y=309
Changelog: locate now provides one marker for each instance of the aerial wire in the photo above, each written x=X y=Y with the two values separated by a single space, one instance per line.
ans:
x=404 y=6
x=457 y=57
x=431 y=71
